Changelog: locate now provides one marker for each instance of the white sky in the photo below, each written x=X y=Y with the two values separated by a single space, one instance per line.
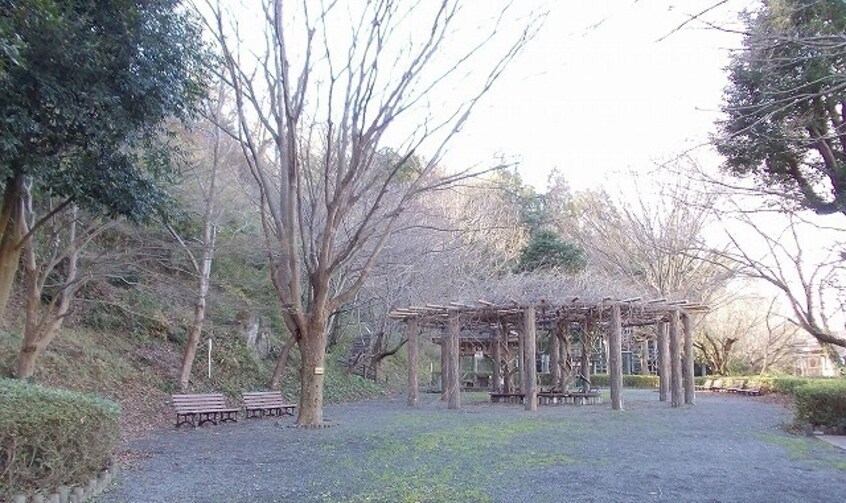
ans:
x=596 y=92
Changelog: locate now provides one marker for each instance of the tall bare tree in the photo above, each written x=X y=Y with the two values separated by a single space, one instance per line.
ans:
x=214 y=159
x=51 y=262
x=776 y=251
x=315 y=110
x=652 y=242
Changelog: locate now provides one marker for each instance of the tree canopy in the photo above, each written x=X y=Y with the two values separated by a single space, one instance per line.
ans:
x=785 y=104
x=546 y=250
x=85 y=88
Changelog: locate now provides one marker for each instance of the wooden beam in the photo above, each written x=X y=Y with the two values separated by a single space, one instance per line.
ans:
x=615 y=358
x=411 y=330
x=675 y=361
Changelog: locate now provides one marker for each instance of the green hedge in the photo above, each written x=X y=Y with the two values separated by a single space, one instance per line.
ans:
x=629 y=381
x=52 y=437
x=822 y=403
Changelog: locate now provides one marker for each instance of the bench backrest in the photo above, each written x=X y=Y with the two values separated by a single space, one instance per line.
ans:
x=198 y=401
x=260 y=398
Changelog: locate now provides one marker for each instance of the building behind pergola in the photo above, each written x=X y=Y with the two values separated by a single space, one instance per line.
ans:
x=496 y=326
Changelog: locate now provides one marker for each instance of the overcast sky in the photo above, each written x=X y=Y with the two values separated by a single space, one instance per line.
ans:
x=597 y=92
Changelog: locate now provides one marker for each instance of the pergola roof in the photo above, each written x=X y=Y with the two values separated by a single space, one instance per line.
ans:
x=484 y=305
x=482 y=314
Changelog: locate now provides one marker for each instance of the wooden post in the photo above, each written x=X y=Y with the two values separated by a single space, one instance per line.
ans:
x=615 y=358
x=521 y=358
x=687 y=363
x=411 y=333
x=444 y=365
x=454 y=391
x=587 y=335
x=496 y=356
x=554 y=356
x=530 y=371
x=675 y=361
x=644 y=358
x=507 y=356
x=663 y=361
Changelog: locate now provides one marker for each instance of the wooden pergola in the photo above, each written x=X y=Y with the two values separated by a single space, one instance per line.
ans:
x=492 y=324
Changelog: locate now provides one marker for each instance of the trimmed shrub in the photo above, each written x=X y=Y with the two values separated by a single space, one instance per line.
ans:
x=629 y=381
x=640 y=381
x=598 y=381
x=51 y=437
x=822 y=403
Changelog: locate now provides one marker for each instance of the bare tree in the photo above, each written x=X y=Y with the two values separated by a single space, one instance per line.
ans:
x=653 y=243
x=314 y=126
x=213 y=162
x=776 y=251
x=51 y=262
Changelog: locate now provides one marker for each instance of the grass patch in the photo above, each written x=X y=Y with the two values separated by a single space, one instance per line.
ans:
x=796 y=447
x=419 y=458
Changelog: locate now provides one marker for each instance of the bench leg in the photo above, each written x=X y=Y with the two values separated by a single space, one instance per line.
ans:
x=207 y=417
x=185 y=419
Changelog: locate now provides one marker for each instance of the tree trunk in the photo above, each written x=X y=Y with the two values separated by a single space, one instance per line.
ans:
x=496 y=356
x=281 y=363
x=199 y=308
x=555 y=356
x=40 y=329
x=507 y=370
x=11 y=226
x=312 y=372
x=566 y=362
x=585 y=361
x=644 y=358
x=25 y=367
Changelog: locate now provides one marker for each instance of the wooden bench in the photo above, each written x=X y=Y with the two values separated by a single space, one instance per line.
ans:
x=736 y=386
x=591 y=397
x=507 y=397
x=753 y=388
x=202 y=408
x=706 y=386
x=260 y=403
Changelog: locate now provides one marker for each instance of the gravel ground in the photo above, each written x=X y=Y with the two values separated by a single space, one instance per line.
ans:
x=725 y=449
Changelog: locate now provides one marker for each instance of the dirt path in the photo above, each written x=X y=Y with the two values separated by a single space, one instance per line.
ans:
x=726 y=449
